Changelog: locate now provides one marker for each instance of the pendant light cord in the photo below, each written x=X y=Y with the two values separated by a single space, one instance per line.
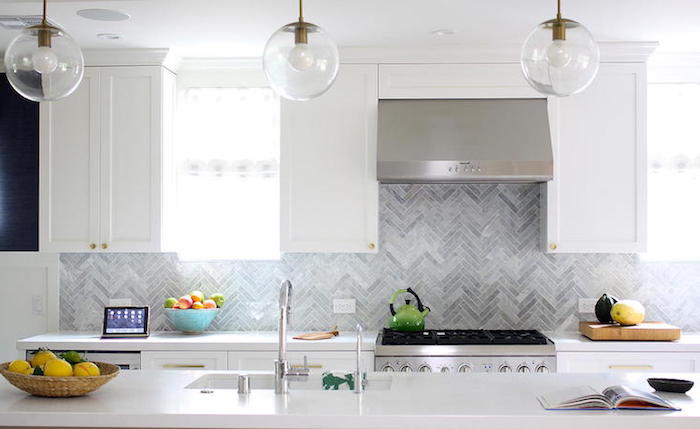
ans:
x=301 y=11
x=43 y=19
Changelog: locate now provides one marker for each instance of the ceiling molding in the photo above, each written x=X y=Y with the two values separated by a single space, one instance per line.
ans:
x=609 y=52
x=128 y=57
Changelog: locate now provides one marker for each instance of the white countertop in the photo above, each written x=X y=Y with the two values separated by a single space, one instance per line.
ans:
x=267 y=341
x=158 y=399
x=575 y=342
x=209 y=341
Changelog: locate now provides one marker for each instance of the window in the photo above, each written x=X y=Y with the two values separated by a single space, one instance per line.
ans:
x=227 y=174
x=674 y=172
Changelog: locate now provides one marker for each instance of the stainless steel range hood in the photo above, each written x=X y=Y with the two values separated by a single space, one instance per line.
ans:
x=464 y=141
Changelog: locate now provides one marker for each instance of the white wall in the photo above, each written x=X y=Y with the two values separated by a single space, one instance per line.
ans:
x=28 y=298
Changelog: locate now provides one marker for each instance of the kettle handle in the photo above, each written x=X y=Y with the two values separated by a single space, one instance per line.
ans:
x=393 y=299
x=419 y=304
x=396 y=294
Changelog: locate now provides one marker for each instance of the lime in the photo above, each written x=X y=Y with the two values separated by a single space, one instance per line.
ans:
x=72 y=357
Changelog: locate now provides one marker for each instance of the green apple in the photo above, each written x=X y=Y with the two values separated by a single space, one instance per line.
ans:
x=219 y=299
x=170 y=302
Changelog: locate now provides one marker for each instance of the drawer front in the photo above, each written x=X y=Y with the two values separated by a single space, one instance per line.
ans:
x=316 y=361
x=184 y=360
x=627 y=362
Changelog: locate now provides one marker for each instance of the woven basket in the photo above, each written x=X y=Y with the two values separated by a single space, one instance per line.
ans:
x=60 y=387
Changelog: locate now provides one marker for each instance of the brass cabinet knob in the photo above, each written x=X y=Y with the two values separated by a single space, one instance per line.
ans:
x=553 y=246
x=104 y=245
x=93 y=246
x=371 y=246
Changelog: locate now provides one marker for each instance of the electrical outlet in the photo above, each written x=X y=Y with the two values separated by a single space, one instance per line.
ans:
x=586 y=305
x=120 y=302
x=344 y=306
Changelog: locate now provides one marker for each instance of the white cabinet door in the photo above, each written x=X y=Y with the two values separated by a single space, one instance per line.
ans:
x=329 y=189
x=317 y=361
x=627 y=362
x=69 y=169
x=130 y=167
x=597 y=200
x=101 y=162
x=182 y=360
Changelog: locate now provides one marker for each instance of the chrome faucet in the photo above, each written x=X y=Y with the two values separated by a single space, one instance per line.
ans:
x=282 y=369
x=359 y=379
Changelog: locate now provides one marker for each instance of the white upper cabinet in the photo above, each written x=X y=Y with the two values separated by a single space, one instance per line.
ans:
x=597 y=200
x=102 y=162
x=328 y=171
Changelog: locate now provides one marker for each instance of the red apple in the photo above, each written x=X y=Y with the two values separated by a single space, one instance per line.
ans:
x=209 y=303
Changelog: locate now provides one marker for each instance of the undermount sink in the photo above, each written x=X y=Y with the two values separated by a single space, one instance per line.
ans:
x=265 y=381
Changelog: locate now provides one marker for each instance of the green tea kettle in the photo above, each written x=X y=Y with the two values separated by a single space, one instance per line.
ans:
x=408 y=318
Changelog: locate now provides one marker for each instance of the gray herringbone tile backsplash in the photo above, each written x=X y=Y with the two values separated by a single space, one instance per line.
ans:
x=470 y=251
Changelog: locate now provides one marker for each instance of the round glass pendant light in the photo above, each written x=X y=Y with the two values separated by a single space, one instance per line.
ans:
x=300 y=60
x=560 y=57
x=43 y=63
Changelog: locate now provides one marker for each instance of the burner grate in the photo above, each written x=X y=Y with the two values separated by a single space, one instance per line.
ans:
x=462 y=337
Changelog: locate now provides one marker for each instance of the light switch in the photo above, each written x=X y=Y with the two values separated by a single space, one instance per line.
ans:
x=37 y=305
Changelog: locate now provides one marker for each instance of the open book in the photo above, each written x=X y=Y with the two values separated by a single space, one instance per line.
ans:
x=612 y=398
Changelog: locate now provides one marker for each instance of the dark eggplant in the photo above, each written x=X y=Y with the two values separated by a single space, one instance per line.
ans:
x=603 y=307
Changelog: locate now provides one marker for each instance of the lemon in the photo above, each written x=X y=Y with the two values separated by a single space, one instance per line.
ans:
x=21 y=366
x=85 y=369
x=58 y=368
x=627 y=312
x=41 y=357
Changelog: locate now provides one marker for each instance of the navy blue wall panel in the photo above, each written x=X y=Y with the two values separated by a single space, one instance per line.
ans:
x=19 y=171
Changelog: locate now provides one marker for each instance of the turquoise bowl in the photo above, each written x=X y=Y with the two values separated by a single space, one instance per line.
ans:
x=192 y=321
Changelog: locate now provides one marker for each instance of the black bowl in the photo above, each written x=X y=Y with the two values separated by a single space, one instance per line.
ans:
x=670 y=384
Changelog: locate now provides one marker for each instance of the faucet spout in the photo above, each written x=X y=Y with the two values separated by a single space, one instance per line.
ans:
x=281 y=364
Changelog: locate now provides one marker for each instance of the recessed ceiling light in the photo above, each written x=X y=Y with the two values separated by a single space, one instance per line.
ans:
x=442 y=33
x=109 y=36
x=103 y=14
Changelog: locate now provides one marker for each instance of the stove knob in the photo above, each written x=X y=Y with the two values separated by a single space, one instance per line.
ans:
x=387 y=368
x=542 y=369
x=523 y=368
x=505 y=368
x=444 y=369
x=465 y=368
x=424 y=368
x=406 y=368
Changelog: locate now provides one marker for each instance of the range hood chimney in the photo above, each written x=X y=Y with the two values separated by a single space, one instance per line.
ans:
x=464 y=141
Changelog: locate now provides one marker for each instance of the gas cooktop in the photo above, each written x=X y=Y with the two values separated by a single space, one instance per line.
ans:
x=436 y=337
x=464 y=350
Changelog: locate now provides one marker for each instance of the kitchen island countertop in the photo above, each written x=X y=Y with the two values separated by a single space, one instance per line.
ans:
x=157 y=399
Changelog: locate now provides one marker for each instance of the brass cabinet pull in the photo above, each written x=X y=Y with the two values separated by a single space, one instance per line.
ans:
x=104 y=245
x=93 y=246
x=553 y=246
x=630 y=367
x=302 y=366
x=371 y=246
x=178 y=365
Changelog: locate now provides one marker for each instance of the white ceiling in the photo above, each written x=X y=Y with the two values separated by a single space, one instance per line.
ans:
x=239 y=28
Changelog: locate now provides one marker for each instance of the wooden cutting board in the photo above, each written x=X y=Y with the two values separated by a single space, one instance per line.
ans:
x=646 y=331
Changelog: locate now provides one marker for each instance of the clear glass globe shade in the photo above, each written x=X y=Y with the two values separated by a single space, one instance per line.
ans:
x=560 y=67
x=44 y=73
x=300 y=71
